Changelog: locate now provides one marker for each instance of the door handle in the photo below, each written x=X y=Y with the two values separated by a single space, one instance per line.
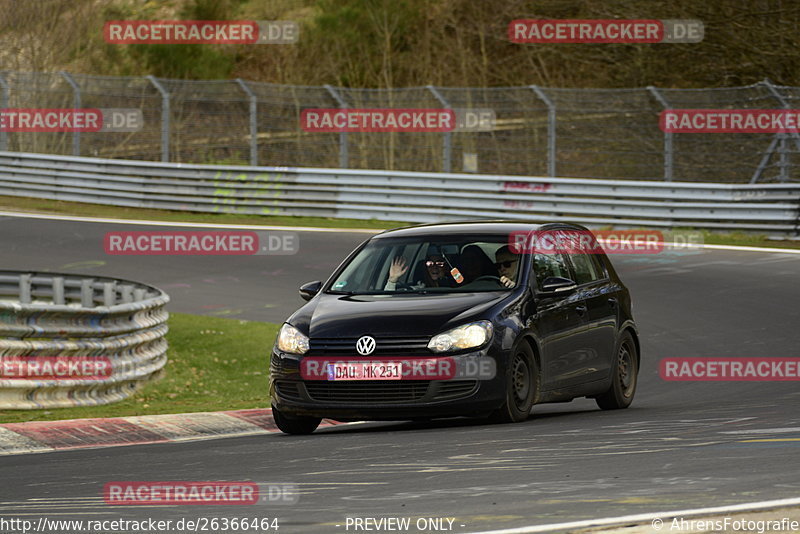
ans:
x=613 y=302
x=581 y=310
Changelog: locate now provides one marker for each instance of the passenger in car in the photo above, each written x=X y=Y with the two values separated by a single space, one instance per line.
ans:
x=507 y=264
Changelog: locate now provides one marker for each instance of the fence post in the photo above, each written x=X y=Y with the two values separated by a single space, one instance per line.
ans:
x=668 y=153
x=765 y=159
x=253 y=122
x=784 y=160
x=551 y=130
x=447 y=139
x=76 y=105
x=164 y=117
x=3 y=105
x=343 y=155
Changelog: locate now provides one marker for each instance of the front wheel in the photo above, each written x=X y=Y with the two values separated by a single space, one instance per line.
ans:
x=295 y=424
x=623 y=384
x=522 y=384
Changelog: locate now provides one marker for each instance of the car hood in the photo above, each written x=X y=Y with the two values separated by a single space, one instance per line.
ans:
x=329 y=316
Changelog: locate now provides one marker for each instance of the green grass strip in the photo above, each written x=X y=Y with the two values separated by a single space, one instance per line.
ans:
x=214 y=364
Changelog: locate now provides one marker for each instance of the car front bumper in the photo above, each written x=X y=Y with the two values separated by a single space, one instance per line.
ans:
x=388 y=399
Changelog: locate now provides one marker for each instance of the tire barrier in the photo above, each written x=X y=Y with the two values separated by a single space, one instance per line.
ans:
x=77 y=340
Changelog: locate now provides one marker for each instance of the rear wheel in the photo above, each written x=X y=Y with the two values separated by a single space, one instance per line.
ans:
x=522 y=384
x=626 y=370
x=295 y=424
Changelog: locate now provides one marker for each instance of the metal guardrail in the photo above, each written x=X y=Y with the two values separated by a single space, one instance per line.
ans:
x=400 y=196
x=76 y=317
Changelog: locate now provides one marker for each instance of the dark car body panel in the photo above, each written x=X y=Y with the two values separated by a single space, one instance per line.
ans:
x=574 y=338
x=347 y=316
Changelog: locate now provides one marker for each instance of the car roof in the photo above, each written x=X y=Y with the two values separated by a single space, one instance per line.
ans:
x=473 y=227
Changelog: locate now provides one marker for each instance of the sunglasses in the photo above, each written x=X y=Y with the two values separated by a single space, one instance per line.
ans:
x=505 y=264
x=430 y=263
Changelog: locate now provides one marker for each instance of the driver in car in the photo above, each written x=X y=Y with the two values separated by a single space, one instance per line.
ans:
x=507 y=264
x=434 y=275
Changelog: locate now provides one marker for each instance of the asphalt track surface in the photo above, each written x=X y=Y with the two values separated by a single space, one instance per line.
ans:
x=680 y=445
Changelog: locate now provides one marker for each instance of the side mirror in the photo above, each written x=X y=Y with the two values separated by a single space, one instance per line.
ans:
x=556 y=285
x=307 y=291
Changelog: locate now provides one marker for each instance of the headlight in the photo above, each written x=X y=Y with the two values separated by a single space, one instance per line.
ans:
x=463 y=337
x=290 y=339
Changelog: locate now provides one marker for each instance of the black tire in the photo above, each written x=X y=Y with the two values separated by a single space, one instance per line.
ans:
x=295 y=424
x=626 y=371
x=522 y=387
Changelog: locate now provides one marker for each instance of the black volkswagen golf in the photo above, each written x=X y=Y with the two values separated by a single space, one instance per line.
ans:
x=457 y=319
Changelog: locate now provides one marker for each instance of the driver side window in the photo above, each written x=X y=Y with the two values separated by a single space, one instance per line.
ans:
x=546 y=265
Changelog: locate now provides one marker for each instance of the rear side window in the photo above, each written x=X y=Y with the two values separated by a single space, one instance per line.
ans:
x=546 y=265
x=587 y=268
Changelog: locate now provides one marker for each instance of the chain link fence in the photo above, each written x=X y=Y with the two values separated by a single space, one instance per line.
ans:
x=539 y=131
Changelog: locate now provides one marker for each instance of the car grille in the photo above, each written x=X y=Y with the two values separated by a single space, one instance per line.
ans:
x=387 y=392
x=288 y=389
x=368 y=392
x=453 y=389
x=384 y=346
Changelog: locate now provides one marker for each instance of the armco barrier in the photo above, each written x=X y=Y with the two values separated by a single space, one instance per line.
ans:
x=76 y=317
x=401 y=196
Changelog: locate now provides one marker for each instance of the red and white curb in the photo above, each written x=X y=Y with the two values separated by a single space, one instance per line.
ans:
x=46 y=436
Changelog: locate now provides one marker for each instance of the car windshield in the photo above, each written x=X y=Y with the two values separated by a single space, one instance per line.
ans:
x=430 y=264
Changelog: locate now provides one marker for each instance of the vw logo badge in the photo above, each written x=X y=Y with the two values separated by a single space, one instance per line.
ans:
x=365 y=345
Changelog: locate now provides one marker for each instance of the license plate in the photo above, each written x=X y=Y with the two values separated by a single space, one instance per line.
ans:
x=365 y=371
